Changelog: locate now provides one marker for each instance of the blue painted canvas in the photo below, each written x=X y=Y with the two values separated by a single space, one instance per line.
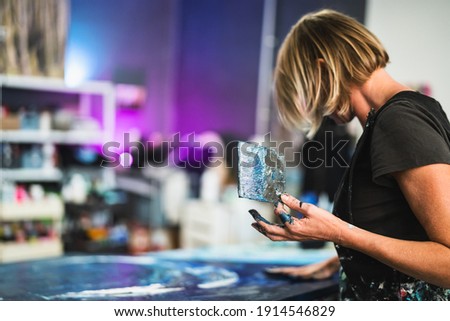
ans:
x=261 y=173
x=149 y=278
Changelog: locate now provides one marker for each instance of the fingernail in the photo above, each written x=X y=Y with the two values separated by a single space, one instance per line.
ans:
x=286 y=218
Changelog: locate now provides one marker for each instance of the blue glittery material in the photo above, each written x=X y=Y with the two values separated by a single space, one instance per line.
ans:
x=261 y=173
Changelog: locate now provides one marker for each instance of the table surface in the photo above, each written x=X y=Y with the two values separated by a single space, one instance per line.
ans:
x=218 y=274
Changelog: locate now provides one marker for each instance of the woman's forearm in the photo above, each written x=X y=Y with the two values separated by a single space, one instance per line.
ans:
x=428 y=261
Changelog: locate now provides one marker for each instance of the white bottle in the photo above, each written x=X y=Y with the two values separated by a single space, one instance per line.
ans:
x=45 y=121
x=48 y=151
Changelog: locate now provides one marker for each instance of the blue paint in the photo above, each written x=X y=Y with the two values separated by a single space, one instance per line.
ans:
x=261 y=173
x=146 y=278
x=286 y=218
x=257 y=217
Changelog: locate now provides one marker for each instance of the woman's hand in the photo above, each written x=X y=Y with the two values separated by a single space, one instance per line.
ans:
x=316 y=224
x=316 y=271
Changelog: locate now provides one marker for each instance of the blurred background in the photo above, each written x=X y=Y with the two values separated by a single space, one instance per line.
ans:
x=103 y=102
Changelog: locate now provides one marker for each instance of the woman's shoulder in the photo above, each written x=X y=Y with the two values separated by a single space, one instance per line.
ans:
x=410 y=130
x=409 y=101
x=411 y=109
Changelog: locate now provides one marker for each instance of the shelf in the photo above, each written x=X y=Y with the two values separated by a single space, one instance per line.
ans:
x=53 y=136
x=91 y=99
x=31 y=174
x=52 y=208
x=13 y=252
x=56 y=85
x=85 y=91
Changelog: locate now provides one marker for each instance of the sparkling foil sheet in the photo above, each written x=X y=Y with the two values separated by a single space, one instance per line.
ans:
x=261 y=173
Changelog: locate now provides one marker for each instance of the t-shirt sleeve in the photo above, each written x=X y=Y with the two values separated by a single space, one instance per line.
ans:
x=404 y=138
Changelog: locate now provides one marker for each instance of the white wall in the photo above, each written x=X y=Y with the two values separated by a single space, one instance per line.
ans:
x=416 y=34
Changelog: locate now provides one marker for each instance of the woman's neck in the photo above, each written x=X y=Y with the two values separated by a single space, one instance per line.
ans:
x=374 y=93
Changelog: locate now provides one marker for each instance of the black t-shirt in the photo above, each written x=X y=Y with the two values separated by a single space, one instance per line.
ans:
x=410 y=130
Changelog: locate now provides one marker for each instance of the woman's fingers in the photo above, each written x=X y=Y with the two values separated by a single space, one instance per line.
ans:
x=273 y=232
x=303 y=272
x=322 y=274
x=296 y=204
x=257 y=217
x=286 y=219
x=291 y=270
x=281 y=208
x=279 y=232
x=291 y=201
x=282 y=212
x=317 y=271
x=269 y=236
x=316 y=223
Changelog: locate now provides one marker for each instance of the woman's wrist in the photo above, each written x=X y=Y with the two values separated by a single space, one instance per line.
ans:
x=342 y=234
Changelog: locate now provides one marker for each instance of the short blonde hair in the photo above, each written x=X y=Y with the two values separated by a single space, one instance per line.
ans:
x=323 y=55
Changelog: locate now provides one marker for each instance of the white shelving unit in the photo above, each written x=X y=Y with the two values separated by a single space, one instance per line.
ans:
x=51 y=208
x=13 y=252
x=53 y=136
x=31 y=175
x=54 y=85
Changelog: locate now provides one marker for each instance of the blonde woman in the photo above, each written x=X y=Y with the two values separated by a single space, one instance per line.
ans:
x=391 y=218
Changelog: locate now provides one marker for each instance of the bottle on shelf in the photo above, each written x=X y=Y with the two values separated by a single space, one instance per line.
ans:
x=45 y=121
x=7 y=156
x=29 y=118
